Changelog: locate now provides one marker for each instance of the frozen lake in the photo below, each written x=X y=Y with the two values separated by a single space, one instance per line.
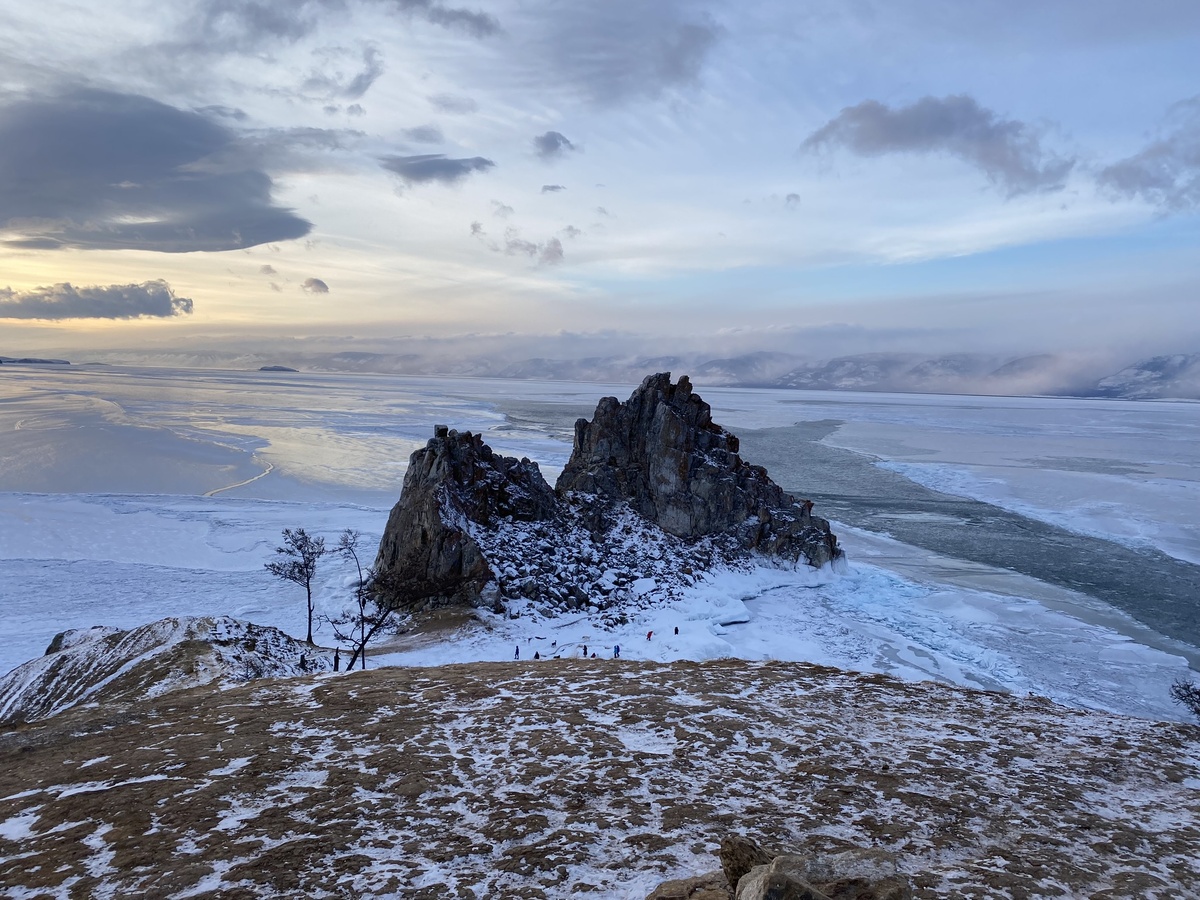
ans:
x=1040 y=545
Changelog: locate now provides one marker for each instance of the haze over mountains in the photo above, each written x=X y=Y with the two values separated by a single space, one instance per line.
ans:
x=1158 y=377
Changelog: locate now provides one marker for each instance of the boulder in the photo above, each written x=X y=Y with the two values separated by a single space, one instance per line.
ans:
x=427 y=554
x=661 y=453
x=858 y=874
x=709 y=886
x=739 y=855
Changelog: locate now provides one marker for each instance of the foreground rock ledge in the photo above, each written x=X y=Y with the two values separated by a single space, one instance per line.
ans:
x=472 y=526
x=590 y=778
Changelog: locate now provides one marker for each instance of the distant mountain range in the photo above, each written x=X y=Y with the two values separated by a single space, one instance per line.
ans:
x=1159 y=377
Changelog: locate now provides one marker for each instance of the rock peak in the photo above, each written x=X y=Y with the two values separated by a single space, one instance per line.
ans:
x=661 y=453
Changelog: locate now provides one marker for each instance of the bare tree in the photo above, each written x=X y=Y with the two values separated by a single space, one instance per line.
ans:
x=296 y=561
x=1186 y=693
x=374 y=610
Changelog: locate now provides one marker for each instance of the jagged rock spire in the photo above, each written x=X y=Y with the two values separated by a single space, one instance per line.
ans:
x=661 y=452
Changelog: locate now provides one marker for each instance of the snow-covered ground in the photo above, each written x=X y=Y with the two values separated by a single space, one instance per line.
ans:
x=104 y=519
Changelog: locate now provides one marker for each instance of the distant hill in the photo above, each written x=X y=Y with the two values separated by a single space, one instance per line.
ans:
x=32 y=361
x=1155 y=378
x=948 y=373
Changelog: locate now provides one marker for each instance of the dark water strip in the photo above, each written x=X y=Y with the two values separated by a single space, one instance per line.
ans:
x=1155 y=589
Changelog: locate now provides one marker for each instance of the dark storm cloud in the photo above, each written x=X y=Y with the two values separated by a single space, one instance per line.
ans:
x=552 y=145
x=94 y=169
x=1007 y=151
x=452 y=103
x=1167 y=172
x=424 y=134
x=552 y=188
x=151 y=299
x=315 y=286
x=434 y=167
x=622 y=49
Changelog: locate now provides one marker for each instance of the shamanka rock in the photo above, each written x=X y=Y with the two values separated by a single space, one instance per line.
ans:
x=654 y=492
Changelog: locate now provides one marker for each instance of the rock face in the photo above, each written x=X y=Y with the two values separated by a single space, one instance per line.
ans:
x=661 y=453
x=654 y=491
x=455 y=481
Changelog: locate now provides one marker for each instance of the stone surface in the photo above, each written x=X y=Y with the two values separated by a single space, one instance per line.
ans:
x=764 y=883
x=709 y=886
x=661 y=453
x=858 y=874
x=739 y=855
x=427 y=553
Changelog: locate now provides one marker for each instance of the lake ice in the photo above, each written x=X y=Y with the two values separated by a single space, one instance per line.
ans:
x=130 y=494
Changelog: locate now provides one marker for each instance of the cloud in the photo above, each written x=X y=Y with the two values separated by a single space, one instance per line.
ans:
x=552 y=188
x=501 y=210
x=791 y=200
x=1007 y=151
x=94 y=169
x=315 y=286
x=571 y=232
x=552 y=252
x=434 y=167
x=620 y=50
x=267 y=270
x=337 y=84
x=552 y=145
x=451 y=103
x=150 y=299
x=243 y=26
x=601 y=211
x=424 y=134
x=548 y=254
x=476 y=229
x=1167 y=172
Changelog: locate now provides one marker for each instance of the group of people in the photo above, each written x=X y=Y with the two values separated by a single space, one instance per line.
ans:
x=616 y=648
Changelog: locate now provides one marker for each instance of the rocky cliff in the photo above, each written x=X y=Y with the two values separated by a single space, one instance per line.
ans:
x=661 y=453
x=455 y=486
x=654 y=492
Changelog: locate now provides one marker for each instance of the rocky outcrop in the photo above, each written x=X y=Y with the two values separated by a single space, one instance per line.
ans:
x=661 y=453
x=110 y=665
x=654 y=492
x=428 y=552
x=751 y=873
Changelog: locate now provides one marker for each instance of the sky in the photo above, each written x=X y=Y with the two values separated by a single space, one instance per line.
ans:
x=1010 y=176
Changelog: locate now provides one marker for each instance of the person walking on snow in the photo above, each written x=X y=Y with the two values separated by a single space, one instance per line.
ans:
x=517 y=655
x=649 y=634
x=616 y=651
